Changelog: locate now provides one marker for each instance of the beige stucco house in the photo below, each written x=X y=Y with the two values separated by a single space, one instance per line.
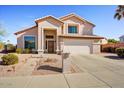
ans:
x=104 y=41
x=70 y=33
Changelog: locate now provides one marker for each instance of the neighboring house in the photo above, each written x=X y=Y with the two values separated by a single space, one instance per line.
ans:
x=121 y=38
x=104 y=41
x=69 y=33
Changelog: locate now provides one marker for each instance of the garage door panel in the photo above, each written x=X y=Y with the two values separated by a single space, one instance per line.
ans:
x=77 y=46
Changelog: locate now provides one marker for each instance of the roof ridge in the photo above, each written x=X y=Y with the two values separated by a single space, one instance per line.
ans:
x=47 y=17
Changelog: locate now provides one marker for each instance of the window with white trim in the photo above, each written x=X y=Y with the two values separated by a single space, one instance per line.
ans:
x=72 y=29
x=29 y=42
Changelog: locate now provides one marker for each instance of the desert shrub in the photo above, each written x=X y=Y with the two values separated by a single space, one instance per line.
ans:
x=9 y=59
x=109 y=49
x=120 y=52
x=10 y=48
x=19 y=50
x=27 y=51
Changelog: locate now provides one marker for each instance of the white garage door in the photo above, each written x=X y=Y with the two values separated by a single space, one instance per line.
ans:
x=77 y=46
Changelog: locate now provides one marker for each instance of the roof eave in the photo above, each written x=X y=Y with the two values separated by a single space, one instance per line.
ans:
x=21 y=31
x=37 y=20
x=86 y=37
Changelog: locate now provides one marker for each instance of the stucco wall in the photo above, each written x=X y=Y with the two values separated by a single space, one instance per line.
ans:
x=88 y=29
x=50 y=24
x=20 y=37
x=84 y=28
x=96 y=48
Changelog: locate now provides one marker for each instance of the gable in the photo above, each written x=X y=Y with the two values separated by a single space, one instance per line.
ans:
x=49 y=19
x=73 y=20
x=48 y=24
x=75 y=17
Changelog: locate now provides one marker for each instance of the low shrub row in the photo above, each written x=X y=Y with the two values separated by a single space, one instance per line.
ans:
x=20 y=51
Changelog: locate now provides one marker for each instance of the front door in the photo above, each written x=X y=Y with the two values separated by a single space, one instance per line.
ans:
x=50 y=46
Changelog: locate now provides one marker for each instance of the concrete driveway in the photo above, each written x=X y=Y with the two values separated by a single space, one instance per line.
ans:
x=96 y=71
x=108 y=71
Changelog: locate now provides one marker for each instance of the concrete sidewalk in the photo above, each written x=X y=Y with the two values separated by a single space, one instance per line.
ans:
x=78 y=80
x=47 y=81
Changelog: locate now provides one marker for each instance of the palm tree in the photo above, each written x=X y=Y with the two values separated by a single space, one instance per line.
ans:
x=119 y=12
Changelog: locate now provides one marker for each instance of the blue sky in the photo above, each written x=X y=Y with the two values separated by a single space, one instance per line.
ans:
x=14 y=18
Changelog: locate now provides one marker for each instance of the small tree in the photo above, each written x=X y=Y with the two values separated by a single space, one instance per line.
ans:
x=112 y=41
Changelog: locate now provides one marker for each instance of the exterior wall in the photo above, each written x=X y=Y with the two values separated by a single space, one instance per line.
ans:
x=88 y=29
x=29 y=32
x=96 y=48
x=84 y=28
x=51 y=24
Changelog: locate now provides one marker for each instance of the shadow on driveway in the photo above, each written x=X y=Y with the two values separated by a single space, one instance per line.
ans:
x=47 y=67
x=114 y=57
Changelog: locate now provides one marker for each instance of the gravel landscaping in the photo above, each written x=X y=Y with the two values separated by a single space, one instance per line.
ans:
x=33 y=64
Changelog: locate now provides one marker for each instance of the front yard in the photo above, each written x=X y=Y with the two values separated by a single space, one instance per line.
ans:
x=92 y=71
x=34 y=64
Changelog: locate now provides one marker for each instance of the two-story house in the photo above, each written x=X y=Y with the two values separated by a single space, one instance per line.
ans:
x=70 y=33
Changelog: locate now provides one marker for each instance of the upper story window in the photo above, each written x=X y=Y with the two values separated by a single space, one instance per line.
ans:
x=72 y=29
x=29 y=42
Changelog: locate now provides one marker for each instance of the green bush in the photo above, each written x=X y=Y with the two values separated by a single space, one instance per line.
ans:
x=27 y=51
x=9 y=59
x=109 y=49
x=120 y=52
x=19 y=50
x=10 y=47
x=112 y=49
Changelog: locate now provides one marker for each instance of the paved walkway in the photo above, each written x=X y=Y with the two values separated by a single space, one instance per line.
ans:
x=96 y=72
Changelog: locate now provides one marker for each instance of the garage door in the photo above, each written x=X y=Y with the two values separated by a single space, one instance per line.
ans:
x=77 y=46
